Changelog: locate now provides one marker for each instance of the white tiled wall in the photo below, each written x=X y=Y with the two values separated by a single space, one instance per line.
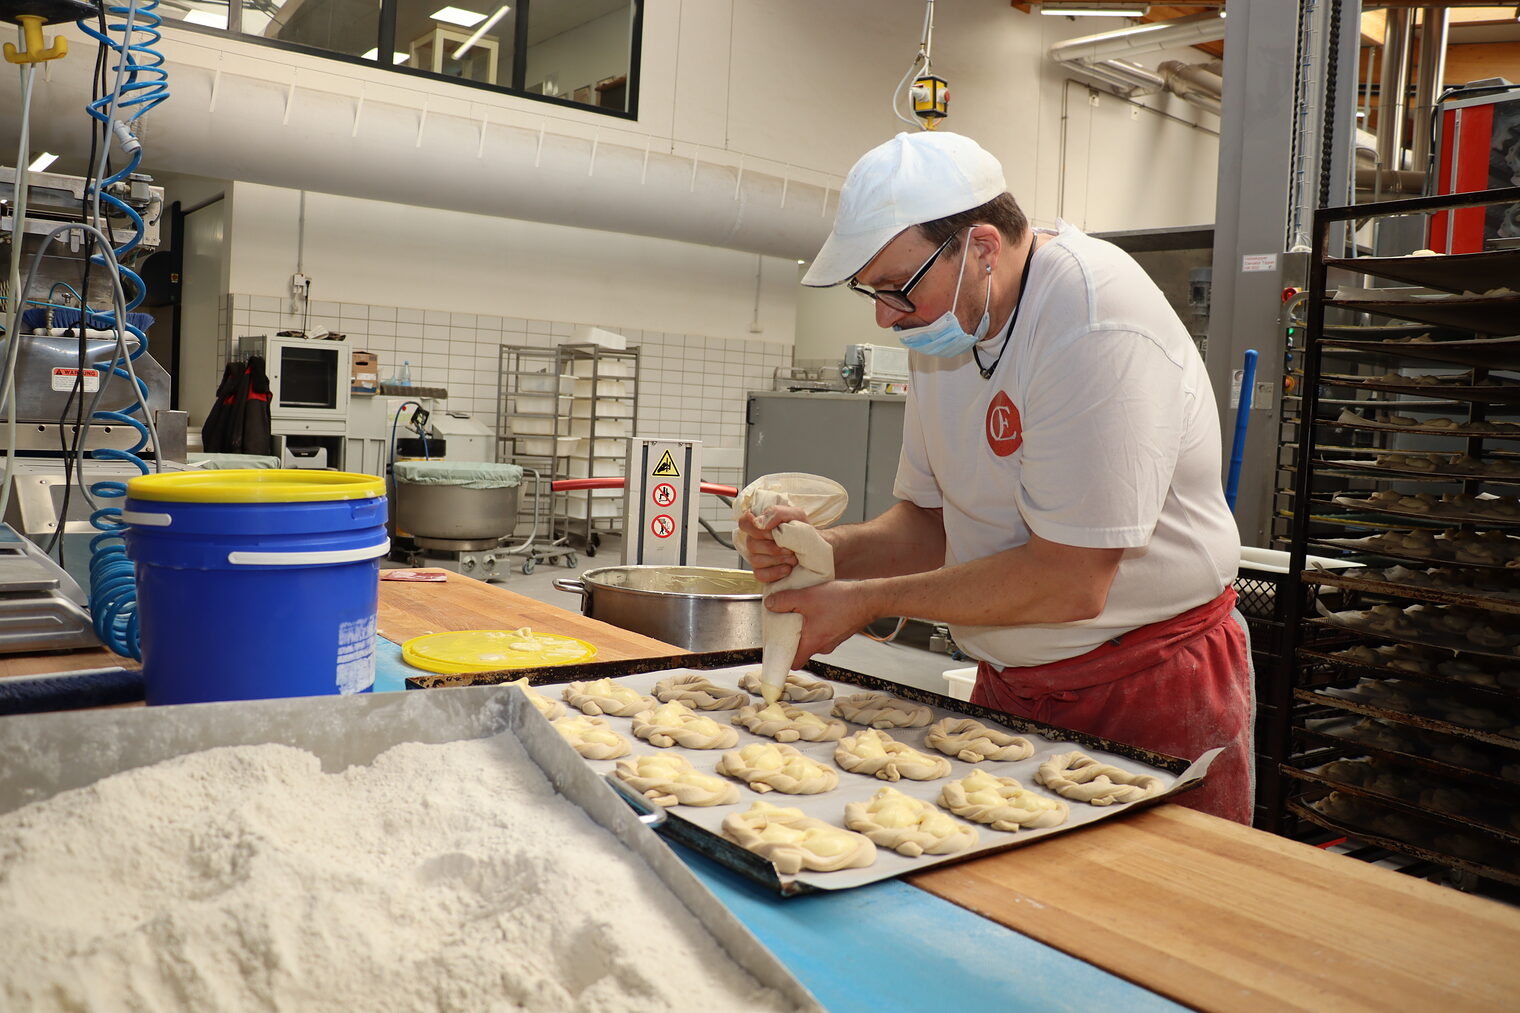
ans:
x=690 y=386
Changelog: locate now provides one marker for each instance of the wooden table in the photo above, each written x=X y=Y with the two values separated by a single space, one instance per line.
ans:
x=1197 y=909
x=1201 y=910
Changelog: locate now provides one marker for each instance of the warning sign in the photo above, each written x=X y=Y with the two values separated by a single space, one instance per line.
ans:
x=664 y=494
x=663 y=526
x=67 y=378
x=666 y=468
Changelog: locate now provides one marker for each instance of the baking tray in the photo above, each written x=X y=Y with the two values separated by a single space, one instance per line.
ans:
x=1364 y=505
x=1486 y=314
x=1455 y=272
x=1490 y=353
x=1410 y=475
x=1487 y=598
x=1486 y=694
x=1488 y=829
x=1495 y=393
x=699 y=827
x=1373 y=426
x=1337 y=732
x=49 y=753
x=1404 y=718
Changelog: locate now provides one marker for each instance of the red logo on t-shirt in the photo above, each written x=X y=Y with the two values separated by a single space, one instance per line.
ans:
x=1005 y=430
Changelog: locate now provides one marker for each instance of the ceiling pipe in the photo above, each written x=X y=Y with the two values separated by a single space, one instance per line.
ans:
x=1434 y=23
x=1393 y=84
x=1139 y=39
x=1193 y=83
x=307 y=137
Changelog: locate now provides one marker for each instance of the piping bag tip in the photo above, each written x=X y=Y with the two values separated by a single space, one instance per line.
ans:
x=771 y=692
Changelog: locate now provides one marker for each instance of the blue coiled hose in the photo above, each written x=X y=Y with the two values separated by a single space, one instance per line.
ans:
x=143 y=85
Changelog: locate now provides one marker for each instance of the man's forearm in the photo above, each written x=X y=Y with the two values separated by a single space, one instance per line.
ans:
x=901 y=540
x=1039 y=582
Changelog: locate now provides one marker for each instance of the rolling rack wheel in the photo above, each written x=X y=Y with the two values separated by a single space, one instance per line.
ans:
x=571 y=561
x=528 y=565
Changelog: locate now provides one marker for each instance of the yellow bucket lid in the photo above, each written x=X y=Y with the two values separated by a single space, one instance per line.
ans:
x=255 y=485
x=467 y=651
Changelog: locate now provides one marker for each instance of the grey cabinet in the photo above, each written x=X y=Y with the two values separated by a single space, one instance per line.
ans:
x=852 y=438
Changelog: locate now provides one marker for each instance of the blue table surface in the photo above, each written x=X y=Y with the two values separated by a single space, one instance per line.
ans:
x=891 y=946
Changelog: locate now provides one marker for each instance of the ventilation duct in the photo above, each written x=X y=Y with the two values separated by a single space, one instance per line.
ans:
x=302 y=137
x=1108 y=59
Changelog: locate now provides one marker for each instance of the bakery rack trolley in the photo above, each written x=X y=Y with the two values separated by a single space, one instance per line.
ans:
x=533 y=431
x=604 y=413
x=1405 y=730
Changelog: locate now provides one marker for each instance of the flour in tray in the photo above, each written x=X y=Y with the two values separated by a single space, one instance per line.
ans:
x=439 y=877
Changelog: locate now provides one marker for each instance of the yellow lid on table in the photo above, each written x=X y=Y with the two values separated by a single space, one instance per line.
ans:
x=466 y=651
x=255 y=485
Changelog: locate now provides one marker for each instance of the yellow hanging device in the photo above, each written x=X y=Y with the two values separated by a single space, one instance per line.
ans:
x=30 y=16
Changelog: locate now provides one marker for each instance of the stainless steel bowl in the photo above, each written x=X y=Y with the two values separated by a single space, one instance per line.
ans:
x=454 y=512
x=699 y=608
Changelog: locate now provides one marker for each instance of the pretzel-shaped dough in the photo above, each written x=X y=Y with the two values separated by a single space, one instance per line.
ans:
x=675 y=723
x=1001 y=803
x=592 y=737
x=764 y=767
x=907 y=825
x=788 y=724
x=698 y=691
x=670 y=779
x=792 y=842
x=1079 y=776
x=606 y=697
x=796 y=690
x=550 y=709
x=881 y=710
x=970 y=740
x=869 y=751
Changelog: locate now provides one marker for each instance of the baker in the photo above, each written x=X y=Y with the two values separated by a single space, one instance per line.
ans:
x=1059 y=487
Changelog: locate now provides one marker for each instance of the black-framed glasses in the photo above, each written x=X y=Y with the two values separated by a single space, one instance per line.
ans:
x=897 y=298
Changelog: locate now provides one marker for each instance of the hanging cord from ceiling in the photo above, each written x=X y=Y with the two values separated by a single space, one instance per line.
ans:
x=925 y=47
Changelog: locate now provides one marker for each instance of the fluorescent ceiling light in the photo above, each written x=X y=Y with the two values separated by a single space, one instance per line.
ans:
x=481 y=31
x=42 y=161
x=374 y=54
x=1089 y=10
x=206 y=18
x=457 y=16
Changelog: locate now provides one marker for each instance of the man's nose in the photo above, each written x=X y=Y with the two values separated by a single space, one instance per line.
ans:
x=886 y=316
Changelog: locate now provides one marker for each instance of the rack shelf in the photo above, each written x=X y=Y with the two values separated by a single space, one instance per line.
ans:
x=1423 y=687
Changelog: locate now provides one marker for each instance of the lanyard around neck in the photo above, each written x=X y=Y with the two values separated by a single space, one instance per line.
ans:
x=1023 y=287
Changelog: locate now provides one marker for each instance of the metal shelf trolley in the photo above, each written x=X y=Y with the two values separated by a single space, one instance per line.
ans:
x=1405 y=699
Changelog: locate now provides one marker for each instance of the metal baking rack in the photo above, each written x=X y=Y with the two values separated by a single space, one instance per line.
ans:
x=1434 y=756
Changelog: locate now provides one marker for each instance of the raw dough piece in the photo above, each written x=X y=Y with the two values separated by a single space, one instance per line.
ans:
x=907 y=825
x=881 y=710
x=698 y=691
x=550 y=709
x=675 y=723
x=970 y=740
x=1079 y=776
x=592 y=737
x=606 y=697
x=798 y=689
x=788 y=724
x=764 y=767
x=792 y=842
x=869 y=751
x=1001 y=803
x=670 y=779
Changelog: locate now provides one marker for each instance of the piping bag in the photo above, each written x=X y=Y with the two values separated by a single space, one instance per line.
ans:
x=823 y=500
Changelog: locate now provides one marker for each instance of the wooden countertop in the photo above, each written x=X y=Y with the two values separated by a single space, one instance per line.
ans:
x=412 y=608
x=1221 y=916
x=1203 y=911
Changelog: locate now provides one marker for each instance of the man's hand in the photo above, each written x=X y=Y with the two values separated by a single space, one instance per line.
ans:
x=769 y=561
x=832 y=613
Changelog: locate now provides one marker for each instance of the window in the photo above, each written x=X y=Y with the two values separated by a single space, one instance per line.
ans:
x=574 y=52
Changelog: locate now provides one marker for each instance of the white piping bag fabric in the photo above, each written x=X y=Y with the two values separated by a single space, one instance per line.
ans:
x=823 y=501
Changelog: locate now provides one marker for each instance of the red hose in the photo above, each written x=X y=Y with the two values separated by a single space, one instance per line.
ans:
x=572 y=484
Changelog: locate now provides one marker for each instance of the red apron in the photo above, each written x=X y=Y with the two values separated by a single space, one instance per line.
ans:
x=1179 y=687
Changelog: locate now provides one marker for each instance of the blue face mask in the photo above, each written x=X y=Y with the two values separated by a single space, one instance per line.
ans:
x=945 y=337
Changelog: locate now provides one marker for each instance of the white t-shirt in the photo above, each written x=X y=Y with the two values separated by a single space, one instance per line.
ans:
x=1097 y=429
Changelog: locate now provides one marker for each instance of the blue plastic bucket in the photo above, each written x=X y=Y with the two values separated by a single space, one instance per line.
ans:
x=256 y=583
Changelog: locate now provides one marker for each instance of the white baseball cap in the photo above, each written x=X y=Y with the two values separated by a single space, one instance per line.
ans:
x=909 y=180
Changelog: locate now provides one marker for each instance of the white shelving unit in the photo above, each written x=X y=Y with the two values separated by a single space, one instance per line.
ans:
x=603 y=413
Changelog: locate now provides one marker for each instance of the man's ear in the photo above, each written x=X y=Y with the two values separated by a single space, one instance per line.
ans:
x=989 y=244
